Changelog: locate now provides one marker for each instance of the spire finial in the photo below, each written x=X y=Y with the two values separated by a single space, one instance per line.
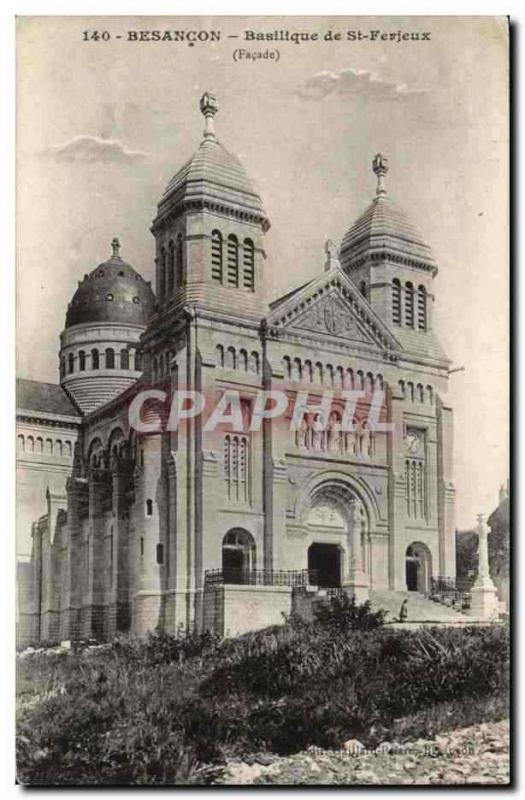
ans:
x=380 y=167
x=209 y=107
x=115 y=244
x=332 y=255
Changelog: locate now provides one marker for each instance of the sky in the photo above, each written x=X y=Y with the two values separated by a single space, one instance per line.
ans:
x=103 y=125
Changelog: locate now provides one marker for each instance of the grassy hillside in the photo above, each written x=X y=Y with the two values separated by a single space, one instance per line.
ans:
x=170 y=711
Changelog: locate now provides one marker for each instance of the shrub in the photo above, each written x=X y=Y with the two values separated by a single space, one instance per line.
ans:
x=343 y=614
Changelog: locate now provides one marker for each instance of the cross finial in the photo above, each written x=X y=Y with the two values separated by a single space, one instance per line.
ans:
x=380 y=167
x=209 y=107
x=115 y=244
x=332 y=255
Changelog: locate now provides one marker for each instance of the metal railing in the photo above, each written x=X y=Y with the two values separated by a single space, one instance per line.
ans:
x=261 y=577
x=444 y=590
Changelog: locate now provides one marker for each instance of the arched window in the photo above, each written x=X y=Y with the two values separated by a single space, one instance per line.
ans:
x=49 y=447
x=180 y=261
x=409 y=305
x=170 y=270
x=232 y=272
x=254 y=362
x=149 y=508
x=58 y=446
x=68 y=448
x=236 y=464
x=30 y=444
x=329 y=375
x=160 y=553
x=287 y=366
x=362 y=288
x=220 y=355
x=248 y=267
x=39 y=445
x=70 y=363
x=319 y=372
x=297 y=372
x=402 y=388
x=238 y=556
x=95 y=363
x=21 y=442
x=124 y=359
x=216 y=256
x=396 y=302
x=62 y=367
x=162 y=272
x=81 y=360
x=349 y=378
x=110 y=358
x=138 y=361
x=243 y=359
x=422 y=308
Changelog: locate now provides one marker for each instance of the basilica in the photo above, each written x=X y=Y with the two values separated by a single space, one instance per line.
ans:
x=229 y=528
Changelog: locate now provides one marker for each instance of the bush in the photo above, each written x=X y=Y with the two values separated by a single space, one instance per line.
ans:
x=342 y=614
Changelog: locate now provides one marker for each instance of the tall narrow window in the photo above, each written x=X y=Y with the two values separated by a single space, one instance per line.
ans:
x=422 y=308
x=236 y=467
x=362 y=288
x=409 y=305
x=62 y=367
x=396 y=302
x=170 y=270
x=110 y=358
x=162 y=272
x=124 y=359
x=232 y=272
x=248 y=266
x=70 y=363
x=180 y=261
x=149 y=508
x=81 y=360
x=138 y=361
x=160 y=553
x=216 y=256
x=95 y=361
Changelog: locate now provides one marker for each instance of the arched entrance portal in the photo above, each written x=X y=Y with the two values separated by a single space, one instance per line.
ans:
x=418 y=568
x=238 y=555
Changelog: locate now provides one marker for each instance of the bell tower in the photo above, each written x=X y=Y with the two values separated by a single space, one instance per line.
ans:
x=388 y=259
x=209 y=231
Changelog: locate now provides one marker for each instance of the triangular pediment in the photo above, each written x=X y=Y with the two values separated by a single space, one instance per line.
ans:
x=331 y=307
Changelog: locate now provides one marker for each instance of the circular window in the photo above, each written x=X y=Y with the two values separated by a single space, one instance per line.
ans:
x=136 y=299
x=109 y=297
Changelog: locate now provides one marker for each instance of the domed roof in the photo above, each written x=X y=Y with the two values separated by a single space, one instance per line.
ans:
x=112 y=292
x=384 y=227
x=214 y=175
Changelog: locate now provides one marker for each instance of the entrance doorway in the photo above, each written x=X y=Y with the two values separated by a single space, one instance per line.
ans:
x=238 y=556
x=325 y=559
x=418 y=568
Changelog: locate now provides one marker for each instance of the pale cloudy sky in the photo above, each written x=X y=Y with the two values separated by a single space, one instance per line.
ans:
x=102 y=126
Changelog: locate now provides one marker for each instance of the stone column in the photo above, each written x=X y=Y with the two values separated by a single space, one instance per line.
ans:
x=484 y=594
x=356 y=583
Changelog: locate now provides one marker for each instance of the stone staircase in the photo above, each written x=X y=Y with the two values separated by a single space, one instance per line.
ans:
x=420 y=609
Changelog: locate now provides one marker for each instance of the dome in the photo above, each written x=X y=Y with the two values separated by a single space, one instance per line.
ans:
x=214 y=176
x=385 y=228
x=112 y=292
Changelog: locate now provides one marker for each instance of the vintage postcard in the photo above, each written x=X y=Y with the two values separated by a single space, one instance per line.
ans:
x=262 y=464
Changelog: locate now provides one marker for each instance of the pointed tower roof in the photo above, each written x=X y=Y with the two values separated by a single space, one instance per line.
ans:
x=384 y=229
x=214 y=177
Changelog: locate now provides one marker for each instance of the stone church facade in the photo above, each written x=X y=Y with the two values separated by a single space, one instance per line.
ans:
x=225 y=527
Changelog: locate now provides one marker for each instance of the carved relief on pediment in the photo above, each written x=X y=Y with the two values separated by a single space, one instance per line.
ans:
x=331 y=316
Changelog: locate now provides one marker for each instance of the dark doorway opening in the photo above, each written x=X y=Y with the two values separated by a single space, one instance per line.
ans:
x=232 y=565
x=325 y=559
x=412 y=574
